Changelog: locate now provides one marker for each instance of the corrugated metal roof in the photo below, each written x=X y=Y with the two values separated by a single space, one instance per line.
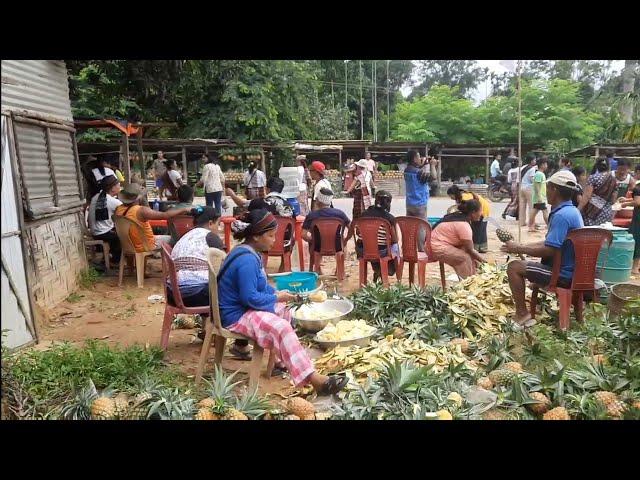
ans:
x=40 y=86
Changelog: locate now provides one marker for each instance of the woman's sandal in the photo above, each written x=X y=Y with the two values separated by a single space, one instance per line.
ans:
x=279 y=371
x=239 y=354
x=333 y=385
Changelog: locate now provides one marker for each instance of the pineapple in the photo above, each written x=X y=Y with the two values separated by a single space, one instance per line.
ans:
x=139 y=410
x=399 y=333
x=513 y=366
x=300 y=407
x=455 y=398
x=103 y=408
x=502 y=377
x=558 y=413
x=636 y=404
x=503 y=235
x=616 y=409
x=543 y=403
x=485 y=382
x=233 y=414
x=184 y=321
x=600 y=359
x=605 y=398
x=206 y=414
x=444 y=415
x=252 y=405
x=614 y=406
x=463 y=342
x=308 y=417
x=81 y=408
x=121 y=402
x=221 y=390
x=291 y=417
x=206 y=403
x=494 y=414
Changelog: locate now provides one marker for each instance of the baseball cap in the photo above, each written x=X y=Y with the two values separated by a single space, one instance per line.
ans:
x=324 y=196
x=564 y=178
x=318 y=166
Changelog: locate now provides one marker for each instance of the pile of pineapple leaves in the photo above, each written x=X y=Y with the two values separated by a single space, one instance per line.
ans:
x=64 y=381
x=591 y=371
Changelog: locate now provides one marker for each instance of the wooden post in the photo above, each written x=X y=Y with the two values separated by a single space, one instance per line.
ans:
x=439 y=171
x=597 y=154
x=185 y=171
x=340 y=162
x=486 y=161
x=143 y=174
x=262 y=162
x=125 y=158
x=56 y=200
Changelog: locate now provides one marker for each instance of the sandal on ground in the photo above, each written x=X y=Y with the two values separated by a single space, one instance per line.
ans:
x=333 y=385
x=239 y=354
x=279 y=371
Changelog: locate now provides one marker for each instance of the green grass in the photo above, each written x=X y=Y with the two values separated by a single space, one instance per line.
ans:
x=74 y=298
x=88 y=277
x=48 y=377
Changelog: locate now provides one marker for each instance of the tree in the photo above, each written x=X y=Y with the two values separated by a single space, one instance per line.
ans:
x=466 y=75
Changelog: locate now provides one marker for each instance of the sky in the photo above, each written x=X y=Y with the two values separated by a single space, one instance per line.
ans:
x=484 y=89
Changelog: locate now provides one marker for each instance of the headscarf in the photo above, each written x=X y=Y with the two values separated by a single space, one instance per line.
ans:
x=263 y=222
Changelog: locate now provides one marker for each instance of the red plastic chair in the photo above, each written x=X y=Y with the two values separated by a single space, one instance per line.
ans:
x=409 y=230
x=368 y=232
x=279 y=250
x=169 y=275
x=180 y=225
x=328 y=229
x=587 y=243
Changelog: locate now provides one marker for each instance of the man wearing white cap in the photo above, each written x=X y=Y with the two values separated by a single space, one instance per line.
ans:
x=563 y=218
x=361 y=188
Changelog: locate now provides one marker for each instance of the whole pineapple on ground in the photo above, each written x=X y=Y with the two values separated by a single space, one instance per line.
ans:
x=463 y=342
x=543 y=403
x=103 y=408
x=615 y=407
x=502 y=377
x=513 y=366
x=300 y=407
x=206 y=414
x=558 y=413
x=485 y=382
x=494 y=414
x=233 y=414
x=80 y=409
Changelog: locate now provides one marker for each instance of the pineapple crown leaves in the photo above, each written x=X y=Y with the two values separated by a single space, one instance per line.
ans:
x=221 y=387
x=403 y=377
x=80 y=409
x=253 y=405
x=171 y=405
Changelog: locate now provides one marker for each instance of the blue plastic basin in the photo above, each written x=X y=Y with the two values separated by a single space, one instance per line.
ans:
x=297 y=281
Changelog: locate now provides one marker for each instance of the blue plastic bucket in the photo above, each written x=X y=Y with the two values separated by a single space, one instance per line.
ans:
x=297 y=281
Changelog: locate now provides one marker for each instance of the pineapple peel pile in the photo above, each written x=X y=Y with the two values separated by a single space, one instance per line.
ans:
x=345 y=330
x=362 y=361
x=483 y=302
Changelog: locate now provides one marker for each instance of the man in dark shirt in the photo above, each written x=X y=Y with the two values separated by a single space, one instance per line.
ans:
x=381 y=209
x=323 y=200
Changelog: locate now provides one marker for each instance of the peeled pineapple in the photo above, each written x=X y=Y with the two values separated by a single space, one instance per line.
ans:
x=543 y=403
x=455 y=398
x=558 y=413
x=103 y=408
x=444 y=415
x=318 y=297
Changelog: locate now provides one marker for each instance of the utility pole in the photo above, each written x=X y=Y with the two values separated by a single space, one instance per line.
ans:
x=361 y=109
x=346 y=104
x=388 y=132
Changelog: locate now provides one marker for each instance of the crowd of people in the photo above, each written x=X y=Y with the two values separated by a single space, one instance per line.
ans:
x=568 y=199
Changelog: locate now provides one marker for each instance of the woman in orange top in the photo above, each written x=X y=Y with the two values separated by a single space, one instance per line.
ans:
x=130 y=196
x=452 y=239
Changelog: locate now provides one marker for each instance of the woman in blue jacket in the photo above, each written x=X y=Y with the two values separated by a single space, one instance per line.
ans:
x=251 y=307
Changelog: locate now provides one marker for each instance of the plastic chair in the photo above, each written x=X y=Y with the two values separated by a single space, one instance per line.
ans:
x=216 y=332
x=170 y=278
x=89 y=241
x=180 y=225
x=123 y=225
x=409 y=230
x=587 y=243
x=279 y=249
x=328 y=229
x=368 y=228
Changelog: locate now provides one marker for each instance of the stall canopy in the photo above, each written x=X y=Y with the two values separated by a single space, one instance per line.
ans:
x=629 y=151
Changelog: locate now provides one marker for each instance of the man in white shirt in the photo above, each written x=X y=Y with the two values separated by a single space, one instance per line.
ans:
x=101 y=209
x=159 y=170
x=527 y=173
x=317 y=175
x=495 y=167
x=213 y=181
x=371 y=166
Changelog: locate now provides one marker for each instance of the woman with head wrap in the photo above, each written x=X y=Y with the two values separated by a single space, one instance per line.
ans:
x=251 y=307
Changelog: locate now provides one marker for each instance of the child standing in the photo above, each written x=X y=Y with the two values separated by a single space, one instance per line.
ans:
x=539 y=195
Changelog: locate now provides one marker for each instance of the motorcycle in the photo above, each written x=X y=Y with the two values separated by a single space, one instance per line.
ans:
x=499 y=189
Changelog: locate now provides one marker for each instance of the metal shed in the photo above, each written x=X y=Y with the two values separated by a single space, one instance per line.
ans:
x=42 y=240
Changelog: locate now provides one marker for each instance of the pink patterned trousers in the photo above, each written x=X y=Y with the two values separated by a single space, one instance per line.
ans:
x=274 y=332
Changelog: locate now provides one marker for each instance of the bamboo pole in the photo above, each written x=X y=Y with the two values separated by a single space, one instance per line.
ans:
x=520 y=144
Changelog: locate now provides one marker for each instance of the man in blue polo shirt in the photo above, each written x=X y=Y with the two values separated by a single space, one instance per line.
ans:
x=416 y=179
x=564 y=217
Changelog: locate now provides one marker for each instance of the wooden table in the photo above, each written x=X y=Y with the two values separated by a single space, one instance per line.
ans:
x=227 y=221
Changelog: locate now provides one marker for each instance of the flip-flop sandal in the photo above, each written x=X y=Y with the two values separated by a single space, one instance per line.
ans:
x=279 y=371
x=333 y=385
x=239 y=354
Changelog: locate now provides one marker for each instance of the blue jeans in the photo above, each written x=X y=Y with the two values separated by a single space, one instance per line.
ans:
x=214 y=197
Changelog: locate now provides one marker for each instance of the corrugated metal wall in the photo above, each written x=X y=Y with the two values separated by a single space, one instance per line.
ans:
x=13 y=318
x=39 y=86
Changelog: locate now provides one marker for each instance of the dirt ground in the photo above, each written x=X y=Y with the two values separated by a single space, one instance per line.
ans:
x=124 y=315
